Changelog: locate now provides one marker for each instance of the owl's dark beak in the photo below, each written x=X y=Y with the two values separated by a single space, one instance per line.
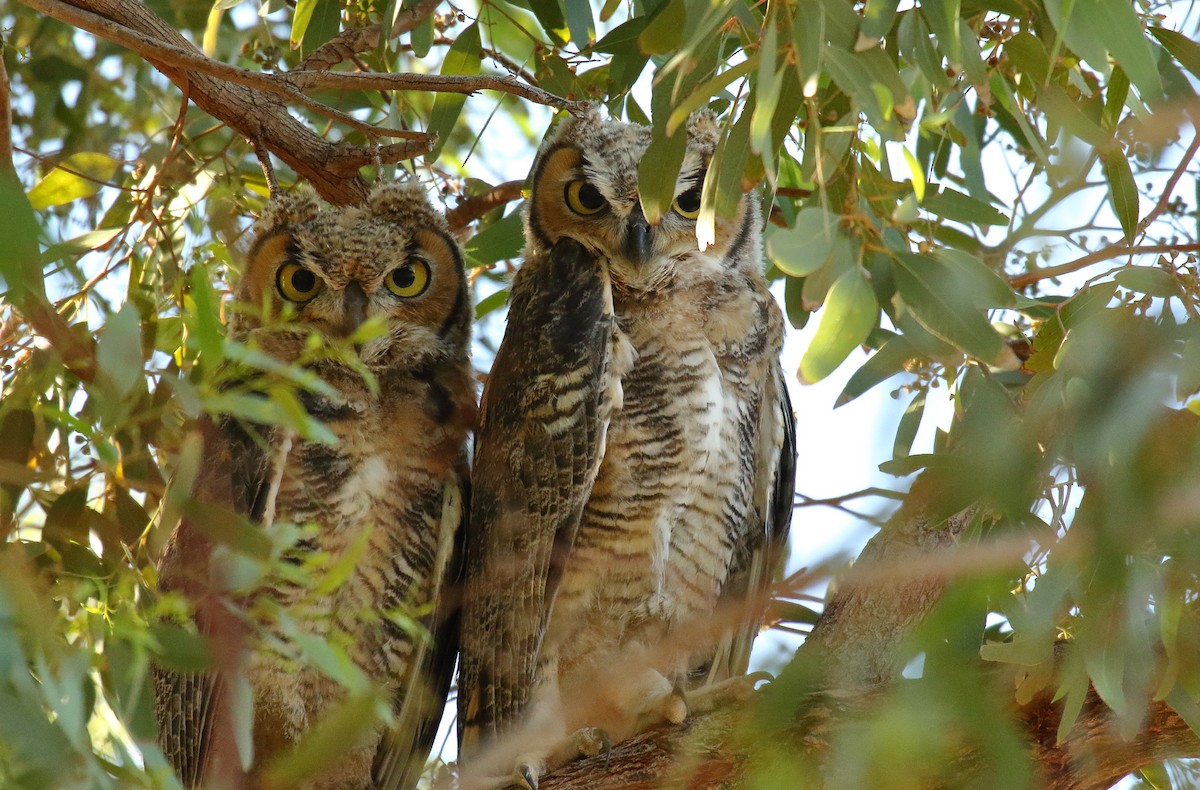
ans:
x=637 y=236
x=354 y=304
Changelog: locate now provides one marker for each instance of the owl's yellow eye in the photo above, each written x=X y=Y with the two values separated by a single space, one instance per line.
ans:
x=584 y=198
x=409 y=279
x=296 y=283
x=687 y=205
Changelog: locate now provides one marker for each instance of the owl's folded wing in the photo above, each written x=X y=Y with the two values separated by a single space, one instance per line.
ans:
x=544 y=416
x=231 y=484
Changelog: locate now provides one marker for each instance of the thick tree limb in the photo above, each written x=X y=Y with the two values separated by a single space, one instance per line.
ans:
x=256 y=104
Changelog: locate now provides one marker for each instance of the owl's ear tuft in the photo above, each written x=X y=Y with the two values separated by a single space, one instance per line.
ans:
x=289 y=208
x=405 y=202
x=704 y=131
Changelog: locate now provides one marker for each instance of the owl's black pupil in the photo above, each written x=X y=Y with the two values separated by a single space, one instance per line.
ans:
x=404 y=277
x=304 y=281
x=590 y=197
x=689 y=201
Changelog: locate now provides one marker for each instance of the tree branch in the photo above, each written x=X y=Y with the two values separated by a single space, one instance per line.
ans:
x=250 y=102
x=1121 y=248
x=476 y=206
x=348 y=43
x=1102 y=254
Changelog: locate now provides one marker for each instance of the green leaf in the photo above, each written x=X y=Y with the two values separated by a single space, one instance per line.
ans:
x=954 y=205
x=119 y=349
x=461 y=58
x=878 y=17
x=941 y=304
x=580 y=22
x=1094 y=28
x=880 y=366
x=849 y=315
x=421 y=37
x=664 y=33
x=812 y=241
x=659 y=170
x=910 y=423
x=1182 y=48
x=84 y=242
x=300 y=20
x=1114 y=99
x=983 y=285
x=1122 y=190
x=550 y=14
x=20 y=268
x=491 y=302
x=1148 y=280
x=204 y=320
x=325 y=23
x=78 y=176
x=1029 y=55
x=499 y=241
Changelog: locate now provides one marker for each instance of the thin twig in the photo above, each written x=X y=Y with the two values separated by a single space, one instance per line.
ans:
x=348 y=43
x=1121 y=248
x=1102 y=254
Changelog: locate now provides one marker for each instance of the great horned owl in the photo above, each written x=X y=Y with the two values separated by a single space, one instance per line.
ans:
x=382 y=506
x=634 y=463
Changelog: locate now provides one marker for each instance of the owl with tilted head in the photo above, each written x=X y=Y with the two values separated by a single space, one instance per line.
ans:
x=372 y=303
x=633 y=476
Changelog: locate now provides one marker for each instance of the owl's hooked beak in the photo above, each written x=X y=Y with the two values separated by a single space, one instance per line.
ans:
x=354 y=309
x=638 y=247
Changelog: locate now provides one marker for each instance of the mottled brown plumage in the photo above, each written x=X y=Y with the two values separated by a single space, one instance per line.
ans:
x=382 y=505
x=634 y=462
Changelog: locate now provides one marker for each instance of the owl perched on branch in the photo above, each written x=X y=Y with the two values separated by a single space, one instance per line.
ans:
x=634 y=464
x=379 y=510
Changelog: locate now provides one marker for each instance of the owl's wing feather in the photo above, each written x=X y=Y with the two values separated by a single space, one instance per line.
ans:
x=402 y=754
x=544 y=417
x=775 y=480
x=232 y=478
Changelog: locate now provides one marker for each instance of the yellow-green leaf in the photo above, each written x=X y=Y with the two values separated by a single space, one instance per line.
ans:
x=849 y=314
x=461 y=58
x=665 y=31
x=300 y=20
x=78 y=176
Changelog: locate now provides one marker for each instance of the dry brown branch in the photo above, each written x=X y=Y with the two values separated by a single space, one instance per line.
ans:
x=253 y=103
x=348 y=43
x=476 y=206
x=1103 y=254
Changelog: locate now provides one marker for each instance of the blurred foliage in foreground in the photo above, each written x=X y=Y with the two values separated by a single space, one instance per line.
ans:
x=996 y=197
